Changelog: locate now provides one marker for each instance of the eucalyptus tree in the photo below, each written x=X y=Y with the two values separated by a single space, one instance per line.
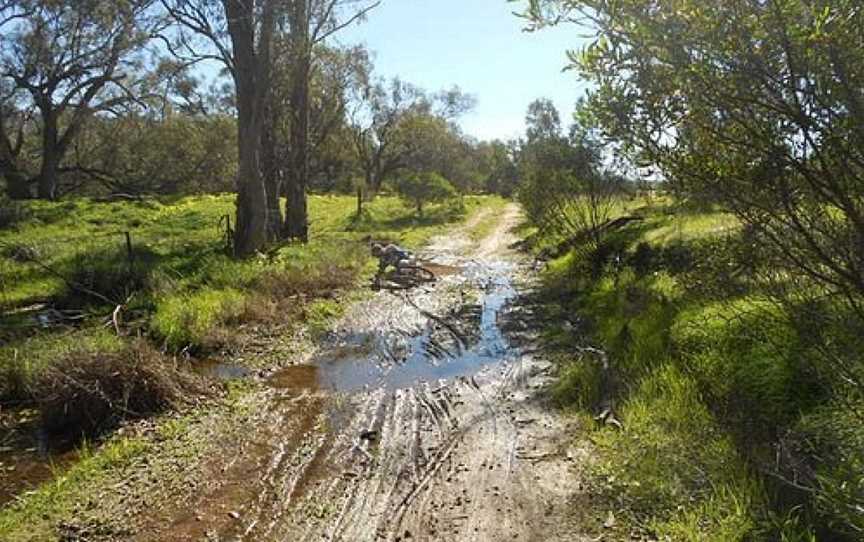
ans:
x=396 y=125
x=65 y=61
x=237 y=34
x=378 y=109
x=310 y=24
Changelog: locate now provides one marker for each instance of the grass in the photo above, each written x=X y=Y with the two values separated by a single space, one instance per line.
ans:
x=22 y=521
x=188 y=295
x=707 y=377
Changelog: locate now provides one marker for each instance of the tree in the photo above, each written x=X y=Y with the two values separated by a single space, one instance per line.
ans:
x=238 y=34
x=311 y=23
x=497 y=166
x=425 y=187
x=177 y=154
x=67 y=62
x=756 y=107
x=432 y=143
x=543 y=121
x=399 y=126
x=753 y=105
x=13 y=125
x=375 y=118
x=564 y=189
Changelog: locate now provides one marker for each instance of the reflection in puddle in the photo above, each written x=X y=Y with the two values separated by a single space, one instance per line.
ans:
x=393 y=361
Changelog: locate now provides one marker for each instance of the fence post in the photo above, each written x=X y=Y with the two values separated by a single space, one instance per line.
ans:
x=228 y=235
x=130 y=254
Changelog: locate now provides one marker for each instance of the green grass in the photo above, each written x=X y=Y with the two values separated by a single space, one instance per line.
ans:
x=187 y=293
x=188 y=318
x=706 y=375
x=23 y=521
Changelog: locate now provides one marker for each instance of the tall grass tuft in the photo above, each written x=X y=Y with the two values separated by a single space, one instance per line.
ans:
x=87 y=394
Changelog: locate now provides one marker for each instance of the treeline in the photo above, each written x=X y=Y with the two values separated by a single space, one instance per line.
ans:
x=752 y=110
x=185 y=96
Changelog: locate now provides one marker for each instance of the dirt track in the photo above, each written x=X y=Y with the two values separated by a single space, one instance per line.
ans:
x=417 y=420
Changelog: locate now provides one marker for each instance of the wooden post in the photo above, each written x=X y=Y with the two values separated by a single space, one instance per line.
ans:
x=129 y=252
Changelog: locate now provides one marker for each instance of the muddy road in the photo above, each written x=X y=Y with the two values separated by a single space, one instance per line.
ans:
x=420 y=418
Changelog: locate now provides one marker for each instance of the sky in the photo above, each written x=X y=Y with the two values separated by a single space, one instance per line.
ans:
x=478 y=45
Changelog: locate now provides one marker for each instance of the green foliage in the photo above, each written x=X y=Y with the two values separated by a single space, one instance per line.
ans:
x=177 y=155
x=712 y=375
x=187 y=291
x=579 y=383
x=425 y=187
x=674 y=468
x=833 y=434
x=187 y=320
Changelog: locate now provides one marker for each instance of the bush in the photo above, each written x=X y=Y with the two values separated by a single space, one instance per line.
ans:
x=189 y=320
x=643 y=259
x=84 y=395
x=426 y=187
x=827 y=452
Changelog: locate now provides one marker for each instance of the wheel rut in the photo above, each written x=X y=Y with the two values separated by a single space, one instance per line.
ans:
x=419 y=419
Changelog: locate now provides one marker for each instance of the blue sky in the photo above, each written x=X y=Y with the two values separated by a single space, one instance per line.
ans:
x=478 y=45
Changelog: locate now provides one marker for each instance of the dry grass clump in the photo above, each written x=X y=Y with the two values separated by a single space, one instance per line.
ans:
x=320 y=282
x=86 y=394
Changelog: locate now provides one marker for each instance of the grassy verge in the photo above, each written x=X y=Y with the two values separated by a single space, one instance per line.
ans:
x=710 y=382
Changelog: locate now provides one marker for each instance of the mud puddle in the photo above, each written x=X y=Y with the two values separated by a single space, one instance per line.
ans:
x=27 y=457
x=459 y=344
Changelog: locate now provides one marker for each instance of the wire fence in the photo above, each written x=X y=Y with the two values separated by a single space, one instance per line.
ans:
x=101 y=268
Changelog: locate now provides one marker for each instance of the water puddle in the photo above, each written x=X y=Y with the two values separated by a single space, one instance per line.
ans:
x=26 y=459
x=458 y=344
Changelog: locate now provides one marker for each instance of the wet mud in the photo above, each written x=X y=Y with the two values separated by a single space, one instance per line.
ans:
x=27 y=457
x=421 y=417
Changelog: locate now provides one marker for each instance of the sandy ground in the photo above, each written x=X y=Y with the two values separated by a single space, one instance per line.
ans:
x=419 y=418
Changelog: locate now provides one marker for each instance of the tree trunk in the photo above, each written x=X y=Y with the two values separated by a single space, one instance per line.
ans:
x=296 y=218
x=51 y=156
x=271 y=173
x=251 y=230
x=296 y=213
x=17 y=186
x=359 y=201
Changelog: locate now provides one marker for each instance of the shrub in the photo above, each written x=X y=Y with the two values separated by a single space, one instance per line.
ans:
x=107 y=273
x=426 y=187
x=827 y=455
x=86 y=394
x=643 y=259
